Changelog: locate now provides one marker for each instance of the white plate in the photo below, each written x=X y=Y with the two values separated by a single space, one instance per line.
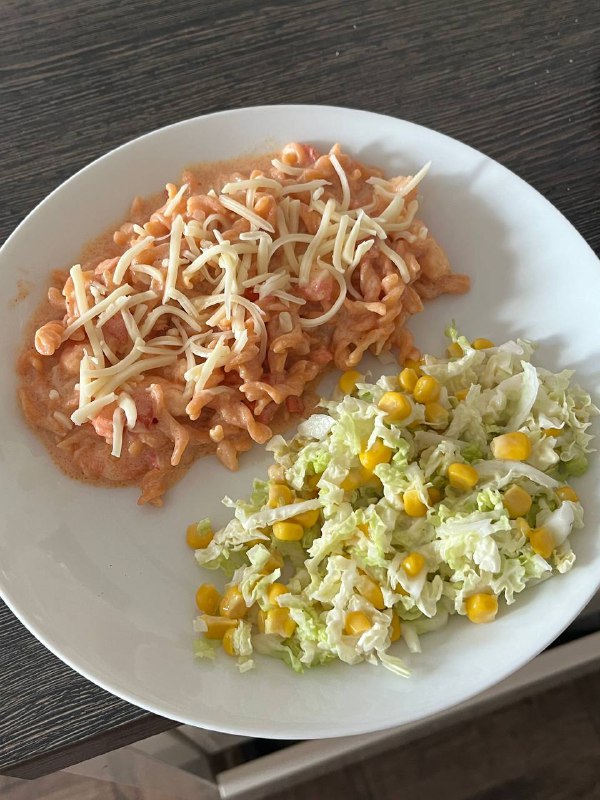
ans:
x=109 y=587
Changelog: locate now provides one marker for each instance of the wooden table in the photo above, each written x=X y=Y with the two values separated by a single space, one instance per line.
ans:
x=518 y=80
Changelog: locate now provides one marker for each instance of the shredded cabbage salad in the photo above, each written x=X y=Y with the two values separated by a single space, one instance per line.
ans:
x=400 y=504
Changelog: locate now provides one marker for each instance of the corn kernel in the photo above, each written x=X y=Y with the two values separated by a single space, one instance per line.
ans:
x=347 y=382
x=552 y=431
x=512 y=446
x=481 y=607
x=436 y=414
x=462 y=476
x=208 y=598
x=227 y=641
x=364 y=528
x=413 y=505
x=275 y=590
x=279 y=495
x=427 y=389
x=455 y=350
x=279 y=621
x=567 y=493
x=216 y=627
x=232 y=603
x=408 y=379
x=542 y=542
x=435 y=495
x=356 y=623
x=482 y=344
x=312 y=481
x=516 y=501
x=523 y=526
x=197 y=540
x=410 y=363
x=354 y=479
x=260 y=621
x=371 y=592
x=308 y=518
x=396 y=405
x=275 y=561
x=288 y=531
x=395 y=628
x=461 y=394
x=413 y=564
x=379 y=453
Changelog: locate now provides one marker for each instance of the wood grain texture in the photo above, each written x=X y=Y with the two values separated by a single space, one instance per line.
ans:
x=543 y=747
x=77 y=78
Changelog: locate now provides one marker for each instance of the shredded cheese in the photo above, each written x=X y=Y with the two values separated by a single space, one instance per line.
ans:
x=212 y=322
x=173 y=265
x=243 y=211
x=124 y=262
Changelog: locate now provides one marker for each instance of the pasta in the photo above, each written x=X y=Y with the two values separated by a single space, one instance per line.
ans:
x=203 y=324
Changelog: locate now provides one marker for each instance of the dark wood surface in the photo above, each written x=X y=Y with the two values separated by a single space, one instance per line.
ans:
x=542 y=747
x=518 y=80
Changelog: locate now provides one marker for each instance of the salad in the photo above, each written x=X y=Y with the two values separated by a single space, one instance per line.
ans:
x=442 y=490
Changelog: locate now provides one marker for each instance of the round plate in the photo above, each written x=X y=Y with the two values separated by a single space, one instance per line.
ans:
x=109 y=586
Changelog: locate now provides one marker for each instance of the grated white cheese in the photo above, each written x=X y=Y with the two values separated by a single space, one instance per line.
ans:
x=345 y=205
x=117 y=437
x=243 y=211
x=174 y=201
x=174 y=249
x=272 y=260
x=124 y=262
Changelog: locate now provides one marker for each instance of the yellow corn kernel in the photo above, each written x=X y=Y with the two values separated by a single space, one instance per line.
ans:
x=279 y=621
x=411 y=363
x=364 y=528
x=461 y=394
x=197 y=540
x=413 y=564
x=481 y=607
x=347 y=382
x=371 y=592
x=279 y=495
x=436 y=414
x=395 y=628
x=552 y=431
x=227 y=641
x=413 y=505
x=275 y=590
x=396 y=405
x=408 y=378
x=217 y=627
x=512 y=446
x=523 y=526
x=482 y=344
x=312 y=481
x=354 y=479
x=455 y=350
x=462 y=476
x=308 y=518
x=288 y=531
x=541 y=541
x=260 y=621
x=274 y=562
x=378 y=454
x=435 y=495
x=232 y=603
x=356 y=623
x=427 y=389
x=567 y=493
x=516 y=501
x=208 y=598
